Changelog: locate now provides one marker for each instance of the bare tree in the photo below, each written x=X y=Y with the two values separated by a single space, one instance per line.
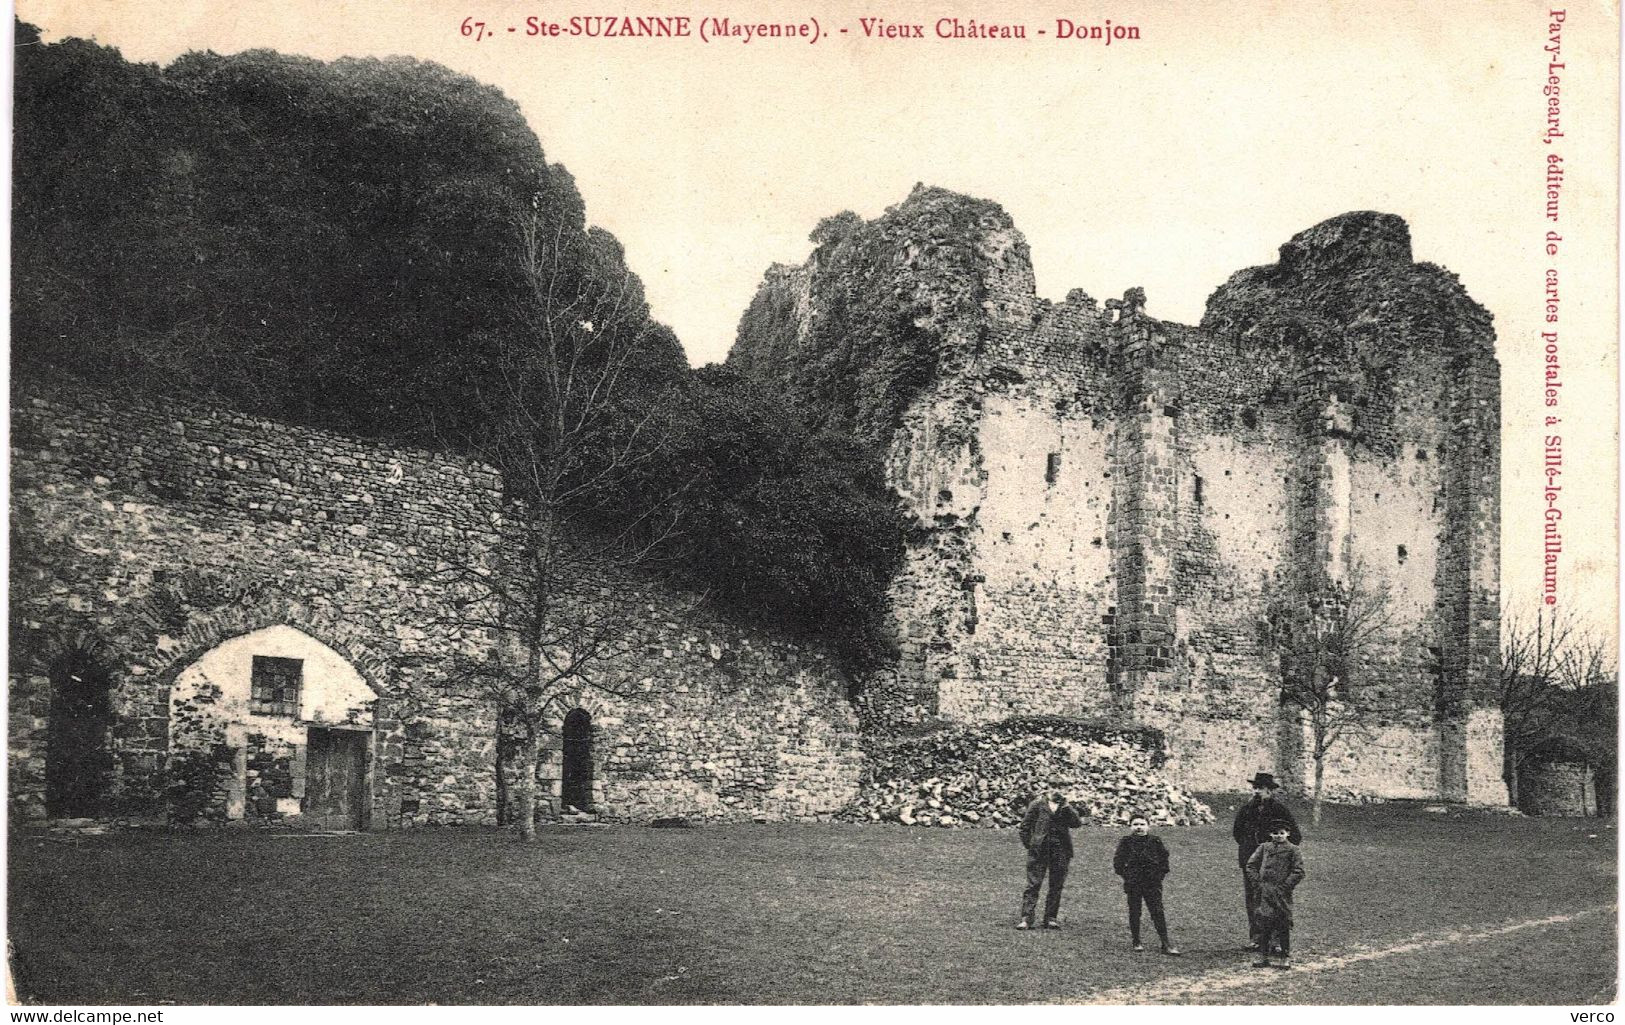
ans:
x=1535 y=657
x=1591 y=679
x=1323 y=643
x=1559 y=684
x=549 y=582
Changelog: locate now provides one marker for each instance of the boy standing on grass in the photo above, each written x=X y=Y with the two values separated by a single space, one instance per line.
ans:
x=1142 y=861
x=1046 y=832
x=1275 y=869
x=1251 y=831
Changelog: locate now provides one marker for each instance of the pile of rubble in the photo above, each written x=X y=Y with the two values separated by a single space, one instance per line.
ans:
x=985 y=775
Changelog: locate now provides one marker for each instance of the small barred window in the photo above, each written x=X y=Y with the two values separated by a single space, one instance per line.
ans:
x=276 y=685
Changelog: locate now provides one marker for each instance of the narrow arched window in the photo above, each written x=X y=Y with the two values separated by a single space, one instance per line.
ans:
x=577 y=784
x=78 y=765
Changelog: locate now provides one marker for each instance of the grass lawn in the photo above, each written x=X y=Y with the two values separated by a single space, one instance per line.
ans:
x=796 y=914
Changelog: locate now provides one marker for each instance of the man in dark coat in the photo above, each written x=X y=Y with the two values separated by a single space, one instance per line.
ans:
x=1046 y=833
x=1252 y=828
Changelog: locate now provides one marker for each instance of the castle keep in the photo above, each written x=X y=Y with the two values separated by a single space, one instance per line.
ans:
x=1107 y=504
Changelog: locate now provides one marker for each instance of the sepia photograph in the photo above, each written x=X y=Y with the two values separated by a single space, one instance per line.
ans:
x=925 y=505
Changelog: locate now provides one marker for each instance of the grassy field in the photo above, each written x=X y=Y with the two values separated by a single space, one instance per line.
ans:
x=801 y=914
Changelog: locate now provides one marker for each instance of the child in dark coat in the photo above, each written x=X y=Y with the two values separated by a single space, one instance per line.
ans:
x=1142 y=861
x=1276 y=869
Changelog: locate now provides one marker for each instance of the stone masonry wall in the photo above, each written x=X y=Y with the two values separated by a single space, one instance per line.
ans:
x=708 y=720
x=1108 y=504
x=148 y=536
x=1558 y=788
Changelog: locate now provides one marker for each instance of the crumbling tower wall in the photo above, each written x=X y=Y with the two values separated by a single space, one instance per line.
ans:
x=1106 y=504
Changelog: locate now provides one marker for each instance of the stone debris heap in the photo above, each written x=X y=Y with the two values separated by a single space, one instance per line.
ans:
x=985 y=775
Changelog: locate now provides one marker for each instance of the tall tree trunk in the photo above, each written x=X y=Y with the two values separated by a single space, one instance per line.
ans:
x=525 y=763
x=523 y=785
x=507 y=744
x=1320 y=774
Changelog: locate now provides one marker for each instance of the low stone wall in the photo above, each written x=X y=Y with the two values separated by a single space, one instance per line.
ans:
x=1558 y=788
x=724 y=725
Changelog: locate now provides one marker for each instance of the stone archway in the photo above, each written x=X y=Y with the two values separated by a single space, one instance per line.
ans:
x=297 y=717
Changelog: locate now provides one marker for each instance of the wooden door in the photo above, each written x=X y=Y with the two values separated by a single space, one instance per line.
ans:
x=335 y=775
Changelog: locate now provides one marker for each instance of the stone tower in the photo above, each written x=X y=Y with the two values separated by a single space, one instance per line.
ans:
x=1107 y=504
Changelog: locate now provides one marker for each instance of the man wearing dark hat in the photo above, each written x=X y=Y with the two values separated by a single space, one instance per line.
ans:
x=1253 y=821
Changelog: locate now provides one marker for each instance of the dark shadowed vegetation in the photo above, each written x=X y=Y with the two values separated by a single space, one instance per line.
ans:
x=380 y=247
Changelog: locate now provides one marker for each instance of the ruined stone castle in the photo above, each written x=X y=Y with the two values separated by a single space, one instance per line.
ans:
x=1106 y=504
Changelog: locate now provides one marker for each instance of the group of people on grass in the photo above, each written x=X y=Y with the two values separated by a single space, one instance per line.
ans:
x=1266 y=838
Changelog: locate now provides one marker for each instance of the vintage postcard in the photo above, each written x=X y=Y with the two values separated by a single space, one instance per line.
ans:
x=915 y=504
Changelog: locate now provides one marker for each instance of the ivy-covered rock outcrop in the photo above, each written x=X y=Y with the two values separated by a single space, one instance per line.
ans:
x=879 y=311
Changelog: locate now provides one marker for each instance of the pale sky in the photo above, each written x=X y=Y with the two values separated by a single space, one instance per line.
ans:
x=1167 y=163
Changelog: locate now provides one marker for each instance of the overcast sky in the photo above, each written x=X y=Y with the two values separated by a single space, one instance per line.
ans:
x=1167 y=162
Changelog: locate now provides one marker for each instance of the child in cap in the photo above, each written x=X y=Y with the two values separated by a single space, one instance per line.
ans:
x=1276 y=869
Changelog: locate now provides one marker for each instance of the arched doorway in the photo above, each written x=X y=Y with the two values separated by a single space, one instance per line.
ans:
x=577 y=769
x=297 y=718
x=77 y=763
